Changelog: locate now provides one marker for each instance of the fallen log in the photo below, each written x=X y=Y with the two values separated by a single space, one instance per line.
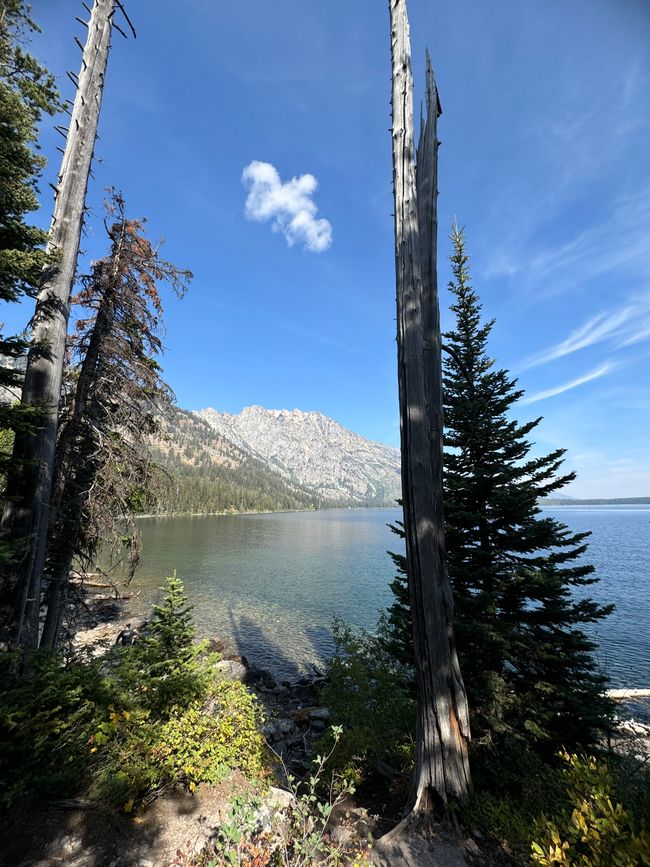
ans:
x=624 y=694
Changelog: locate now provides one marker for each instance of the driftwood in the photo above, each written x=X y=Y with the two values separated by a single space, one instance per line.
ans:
x=441 y=762
x=28 y=491
x=625 y=694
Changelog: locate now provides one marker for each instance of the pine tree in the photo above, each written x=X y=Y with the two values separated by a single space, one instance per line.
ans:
x=172 y=630
x=528 y=664
x=27 y=91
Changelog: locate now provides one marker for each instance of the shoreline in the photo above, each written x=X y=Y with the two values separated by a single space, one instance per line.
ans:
x=236 y=514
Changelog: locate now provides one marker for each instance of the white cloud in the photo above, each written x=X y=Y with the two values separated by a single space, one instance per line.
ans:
x=289 y=204
x=628 y=325
x=574 y=383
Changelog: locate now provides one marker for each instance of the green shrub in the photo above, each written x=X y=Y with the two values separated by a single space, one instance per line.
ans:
x=369 y=694
x=129 y=724
x=46 y=721
x=597 y=832
x=199 y=743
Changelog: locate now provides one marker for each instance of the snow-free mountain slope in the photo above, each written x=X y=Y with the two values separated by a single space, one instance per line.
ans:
x=315 y=451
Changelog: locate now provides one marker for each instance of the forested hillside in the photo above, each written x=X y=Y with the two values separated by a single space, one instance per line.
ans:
x=206 y=473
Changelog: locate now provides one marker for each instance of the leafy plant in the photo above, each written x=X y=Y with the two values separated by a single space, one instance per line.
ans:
x=369 y=694
x=249 y=837
x=598 y=832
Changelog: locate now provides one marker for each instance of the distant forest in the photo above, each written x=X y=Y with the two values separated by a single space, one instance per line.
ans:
x=616 y=501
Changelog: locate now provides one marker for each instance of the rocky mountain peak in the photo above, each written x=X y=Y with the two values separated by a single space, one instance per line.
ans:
x=315 y=451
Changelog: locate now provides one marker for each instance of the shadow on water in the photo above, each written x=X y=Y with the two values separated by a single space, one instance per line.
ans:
x=267 y=650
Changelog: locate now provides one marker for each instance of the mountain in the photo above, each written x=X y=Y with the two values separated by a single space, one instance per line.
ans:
x=207 y=473
x=314 y=452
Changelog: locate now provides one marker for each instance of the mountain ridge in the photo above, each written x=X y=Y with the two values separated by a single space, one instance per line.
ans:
x=314 y=451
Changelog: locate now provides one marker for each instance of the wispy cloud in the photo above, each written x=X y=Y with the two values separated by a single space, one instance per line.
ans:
x=628 y=325
x=288 y=204
x=618 y=244
x=603 y=370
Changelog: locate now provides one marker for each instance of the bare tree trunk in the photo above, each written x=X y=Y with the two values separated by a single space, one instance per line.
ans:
x=28 y=492
x=73 y=477
x=441 y=766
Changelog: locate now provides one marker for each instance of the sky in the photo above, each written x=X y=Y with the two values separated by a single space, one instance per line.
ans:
x=254 y=136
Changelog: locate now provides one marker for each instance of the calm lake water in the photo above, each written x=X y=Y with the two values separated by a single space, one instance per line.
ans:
x=274 y=583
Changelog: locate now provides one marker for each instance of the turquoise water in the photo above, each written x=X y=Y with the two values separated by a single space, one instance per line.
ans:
x=274 y=583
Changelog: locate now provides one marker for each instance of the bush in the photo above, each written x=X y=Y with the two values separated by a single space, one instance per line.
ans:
x=199 y=743
x=127 y=725
x=369 y=694
x=46 y=722
x=597 y=832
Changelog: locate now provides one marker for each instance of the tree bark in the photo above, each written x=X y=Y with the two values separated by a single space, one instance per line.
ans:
x=25 y=515
x=441 y=761
x=73 y=477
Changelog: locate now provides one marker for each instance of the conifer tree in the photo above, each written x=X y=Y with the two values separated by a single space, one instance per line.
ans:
x=527 y=662
x=115 y=394
x=27 y=91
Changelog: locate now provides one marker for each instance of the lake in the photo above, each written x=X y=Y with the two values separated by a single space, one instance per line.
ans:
x=273 y=583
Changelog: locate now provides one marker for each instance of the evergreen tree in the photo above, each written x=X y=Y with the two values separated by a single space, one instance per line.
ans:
x=27 y=91
x=172 y=632
x=528 y=664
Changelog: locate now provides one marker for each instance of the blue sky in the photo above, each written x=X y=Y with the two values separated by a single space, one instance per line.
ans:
x=545 y=160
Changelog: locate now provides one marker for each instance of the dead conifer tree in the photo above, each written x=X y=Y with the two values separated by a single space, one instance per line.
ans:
x=441 y=764
x=25 y=517
x=103 y=469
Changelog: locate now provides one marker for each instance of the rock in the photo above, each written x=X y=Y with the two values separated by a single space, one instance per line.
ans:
x=280 y=798
x=304 y=694
x=342 y=836
x=320 y=713
x=231 y=669
x=301 y=715
x=261 y=676
x=273 y=811
x=216 y=645
x=280 y=747
x=269 y=730
x=285 y=726
x=319 y=725
x=471 y=848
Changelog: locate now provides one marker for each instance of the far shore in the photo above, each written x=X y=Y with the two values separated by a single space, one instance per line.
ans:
x=263 y=512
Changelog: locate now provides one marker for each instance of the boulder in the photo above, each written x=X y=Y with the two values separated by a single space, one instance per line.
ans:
x=231 y=669
x=319 y=713
x=261 y=676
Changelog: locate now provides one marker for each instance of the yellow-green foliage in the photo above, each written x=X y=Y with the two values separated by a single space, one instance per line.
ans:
x=598 y=832
x=198 y=743
x=122 y=727
x=213 y=735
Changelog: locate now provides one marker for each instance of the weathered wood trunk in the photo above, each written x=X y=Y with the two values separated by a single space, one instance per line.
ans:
x=28 y=491
x=73 y=477
x=441 y=767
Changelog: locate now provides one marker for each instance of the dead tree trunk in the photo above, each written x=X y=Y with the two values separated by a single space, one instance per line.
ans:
x=28 y=492
x=441 y=765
